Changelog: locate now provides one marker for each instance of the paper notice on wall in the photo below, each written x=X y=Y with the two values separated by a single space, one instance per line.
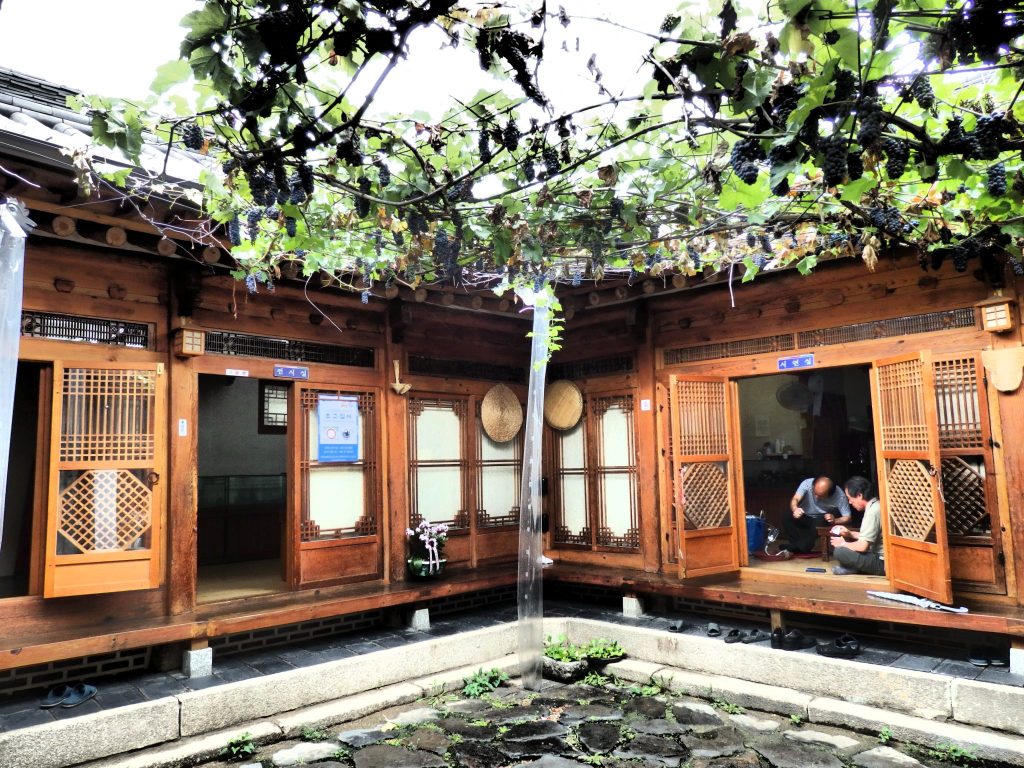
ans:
x=338 y=427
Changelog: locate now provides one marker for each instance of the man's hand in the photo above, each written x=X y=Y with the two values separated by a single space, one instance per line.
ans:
x=838 y=541
x=798 y=513
x=829 y=518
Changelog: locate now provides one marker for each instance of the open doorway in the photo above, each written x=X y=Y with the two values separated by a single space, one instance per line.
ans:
x=19 y=504
x=799 y=426
x=243 y=457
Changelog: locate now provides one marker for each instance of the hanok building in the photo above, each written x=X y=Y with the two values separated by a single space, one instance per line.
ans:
x=166 y=490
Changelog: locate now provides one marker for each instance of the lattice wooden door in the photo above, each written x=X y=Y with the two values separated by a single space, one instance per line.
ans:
x=334 y=499
x=914 y=520
x=107 y=454
x=704 y=490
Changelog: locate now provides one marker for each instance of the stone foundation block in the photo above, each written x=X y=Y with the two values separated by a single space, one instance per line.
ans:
x=984 y=744
x=349 y=708
x=767 y=698
x=988 y=705
x=197 y=663
x=90 y=737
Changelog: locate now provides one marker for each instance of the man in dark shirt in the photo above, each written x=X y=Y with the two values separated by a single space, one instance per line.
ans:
x=817 y=502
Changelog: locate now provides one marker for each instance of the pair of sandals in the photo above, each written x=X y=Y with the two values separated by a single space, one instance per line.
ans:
x=843 y=647
x=987 y=657
x=67 y=696
x=753 y=636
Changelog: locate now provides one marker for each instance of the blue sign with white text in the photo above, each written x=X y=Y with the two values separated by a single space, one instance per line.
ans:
x=795 y=362
x=338 y=428
x=291 y=372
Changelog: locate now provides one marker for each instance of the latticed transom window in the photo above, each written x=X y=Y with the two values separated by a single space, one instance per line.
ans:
x=341 y=498
x=437 y=461
x=596 y=476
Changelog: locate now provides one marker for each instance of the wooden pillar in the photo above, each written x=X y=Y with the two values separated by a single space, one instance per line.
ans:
x=396 y=457
x=1011 y=422
x=647 y=445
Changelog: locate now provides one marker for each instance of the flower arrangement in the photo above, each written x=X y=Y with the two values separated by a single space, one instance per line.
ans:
x=426 y=542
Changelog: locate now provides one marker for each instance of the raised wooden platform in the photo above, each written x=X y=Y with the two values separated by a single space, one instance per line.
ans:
x=804 y=593
x=800 y=593
x=228 y=617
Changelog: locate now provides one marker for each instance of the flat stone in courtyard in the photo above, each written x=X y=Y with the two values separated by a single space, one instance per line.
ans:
x=782 y=753
x=598 y=736
x=387 y=756
x=884 y=757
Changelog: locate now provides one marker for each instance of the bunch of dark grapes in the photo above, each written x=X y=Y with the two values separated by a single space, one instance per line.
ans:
x=694 y=255
x=399 y=238
x=290 y=225
x=988 y=135
x=458 y=191
x=192 y=136
x=417 y=223
x=1017 y=267
x=845 y=88
x=921 y=90
x=760 y=261
x=260 y=183
x=550 y=157
x=897 y=153
x=296 y=192
x=510 y=136
x=670 y=23
x=888 y=220
x=483 y=145
x=854 y=166
x=766 y=243
x=529 y=171
x=383 y=174
x=252 y=218
x=996 y=183
x=785 y=101
x=751 y=240
x=235 y=230
x=615 y=208
x=305 y=174
x=229 y=166
x=963 y=251
x=361 y=203
x=744 y=157
x=834 y=163
x=870 y=130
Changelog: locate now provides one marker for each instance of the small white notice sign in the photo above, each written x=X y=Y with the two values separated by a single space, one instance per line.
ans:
x=645 y=405
x=236 y=372
x=182 y=427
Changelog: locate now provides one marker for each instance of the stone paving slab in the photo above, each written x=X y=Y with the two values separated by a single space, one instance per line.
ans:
x=191 y=750
x=989 y=705
x=884 y=757
x=91 y=736
x=987 y=745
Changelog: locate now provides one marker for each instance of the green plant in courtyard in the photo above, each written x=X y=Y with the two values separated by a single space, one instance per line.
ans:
x=596 y=679
x=591 y=759
x=885 y=735
x=561 y=649
x=727 y=707
x=951 y=753
x=602 y=648
x=455 y=738
x=796 y=720
x=483 y=681
x=242 y=747
x=502 y=730
x=649 y=689
x=342 y=754
x=315 y=734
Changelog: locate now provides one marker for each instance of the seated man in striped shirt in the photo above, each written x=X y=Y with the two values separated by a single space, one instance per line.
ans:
x=817 y=502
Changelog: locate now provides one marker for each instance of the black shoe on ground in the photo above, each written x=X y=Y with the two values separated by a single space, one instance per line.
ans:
x=795 y=640
x=777 y=637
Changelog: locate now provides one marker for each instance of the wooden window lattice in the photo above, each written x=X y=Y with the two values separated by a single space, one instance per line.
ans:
x=705 y=496
x=702 y=418
x=902 y=417
x=911 y=512
x=963 y=488
x=956 y=396
x=107 y=415
x=105 y=511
